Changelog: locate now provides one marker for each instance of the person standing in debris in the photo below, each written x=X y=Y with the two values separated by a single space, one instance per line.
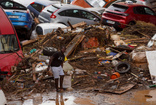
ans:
x=56 y=64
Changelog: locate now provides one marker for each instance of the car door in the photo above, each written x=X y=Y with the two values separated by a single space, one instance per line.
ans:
x=74 y=16
x=88 y=17
x=140 y=14
x=71 y=15
x=151 y=15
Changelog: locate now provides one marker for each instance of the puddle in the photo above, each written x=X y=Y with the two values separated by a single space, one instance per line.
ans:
x=145 y=97
x=54 y=99
x=83 y=101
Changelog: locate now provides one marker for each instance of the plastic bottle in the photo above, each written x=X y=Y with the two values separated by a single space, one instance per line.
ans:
x=152 y=86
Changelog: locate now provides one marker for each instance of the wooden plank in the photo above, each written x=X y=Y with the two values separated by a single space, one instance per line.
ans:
x=70 y=25
x=119 y=49
x=49 y=39
x=138 y=39
x=36 y=20
x=78 y=25
x=29 y=42
x=71 y=46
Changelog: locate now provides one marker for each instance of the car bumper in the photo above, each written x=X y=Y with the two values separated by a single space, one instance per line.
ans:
x=113 y=23
x=22 y=24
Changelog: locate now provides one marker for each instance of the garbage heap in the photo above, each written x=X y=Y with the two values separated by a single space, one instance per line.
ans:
x=97 y=59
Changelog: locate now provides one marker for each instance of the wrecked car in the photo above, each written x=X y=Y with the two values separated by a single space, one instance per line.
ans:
x=10 y=48
x=64 y=13
x=19 y=16
x=45 y=28
x=123 y=14
x=37 y=6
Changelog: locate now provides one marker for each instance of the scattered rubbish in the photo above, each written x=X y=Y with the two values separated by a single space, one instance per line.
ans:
x=104 y=62
x=109 y=52
x=32 y=51
x=67 y=82
x=49 y=51
x=152 y=42
x=115 y=62
x=33 y=35
x=152 y=86
x=40 y=67
x=115 y=75
x=59 y=37
x=78 y=71
x=149 y=96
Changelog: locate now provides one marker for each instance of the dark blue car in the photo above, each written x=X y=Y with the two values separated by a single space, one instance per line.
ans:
x=19 y=16
x=37 y=6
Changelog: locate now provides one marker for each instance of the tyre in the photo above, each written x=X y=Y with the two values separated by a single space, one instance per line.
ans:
x=122 y=67
x=49 y=51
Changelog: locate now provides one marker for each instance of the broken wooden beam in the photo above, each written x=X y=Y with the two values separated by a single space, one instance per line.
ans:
x=70 y=25
x=78 y=25
x=29 y=42
x=74 y=43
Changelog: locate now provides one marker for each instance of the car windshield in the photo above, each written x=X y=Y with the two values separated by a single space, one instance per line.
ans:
x=117 y=7
x=8 y=43
x=51 y=8
x=96 y=3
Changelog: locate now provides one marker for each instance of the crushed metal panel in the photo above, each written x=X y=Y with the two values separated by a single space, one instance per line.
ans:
x=151 y=59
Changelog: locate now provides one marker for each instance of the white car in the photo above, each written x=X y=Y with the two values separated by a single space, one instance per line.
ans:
x=3 y=100
x=44 y=28
x=62 y=13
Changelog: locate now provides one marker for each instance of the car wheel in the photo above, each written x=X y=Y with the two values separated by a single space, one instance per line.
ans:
x=49 y=51
x=122 y=67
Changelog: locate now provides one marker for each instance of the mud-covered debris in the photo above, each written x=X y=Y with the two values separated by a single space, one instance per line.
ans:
x=140 y=29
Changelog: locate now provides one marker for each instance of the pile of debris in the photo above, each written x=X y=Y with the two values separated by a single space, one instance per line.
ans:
x=97 y=57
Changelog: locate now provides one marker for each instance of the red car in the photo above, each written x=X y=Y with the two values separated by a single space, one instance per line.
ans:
x=121 y=14
x=10 y=48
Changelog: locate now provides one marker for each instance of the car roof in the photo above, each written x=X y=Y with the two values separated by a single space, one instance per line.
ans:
x=46 y=2
x=129 y=4
x=68 y=6
x=5 y=24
